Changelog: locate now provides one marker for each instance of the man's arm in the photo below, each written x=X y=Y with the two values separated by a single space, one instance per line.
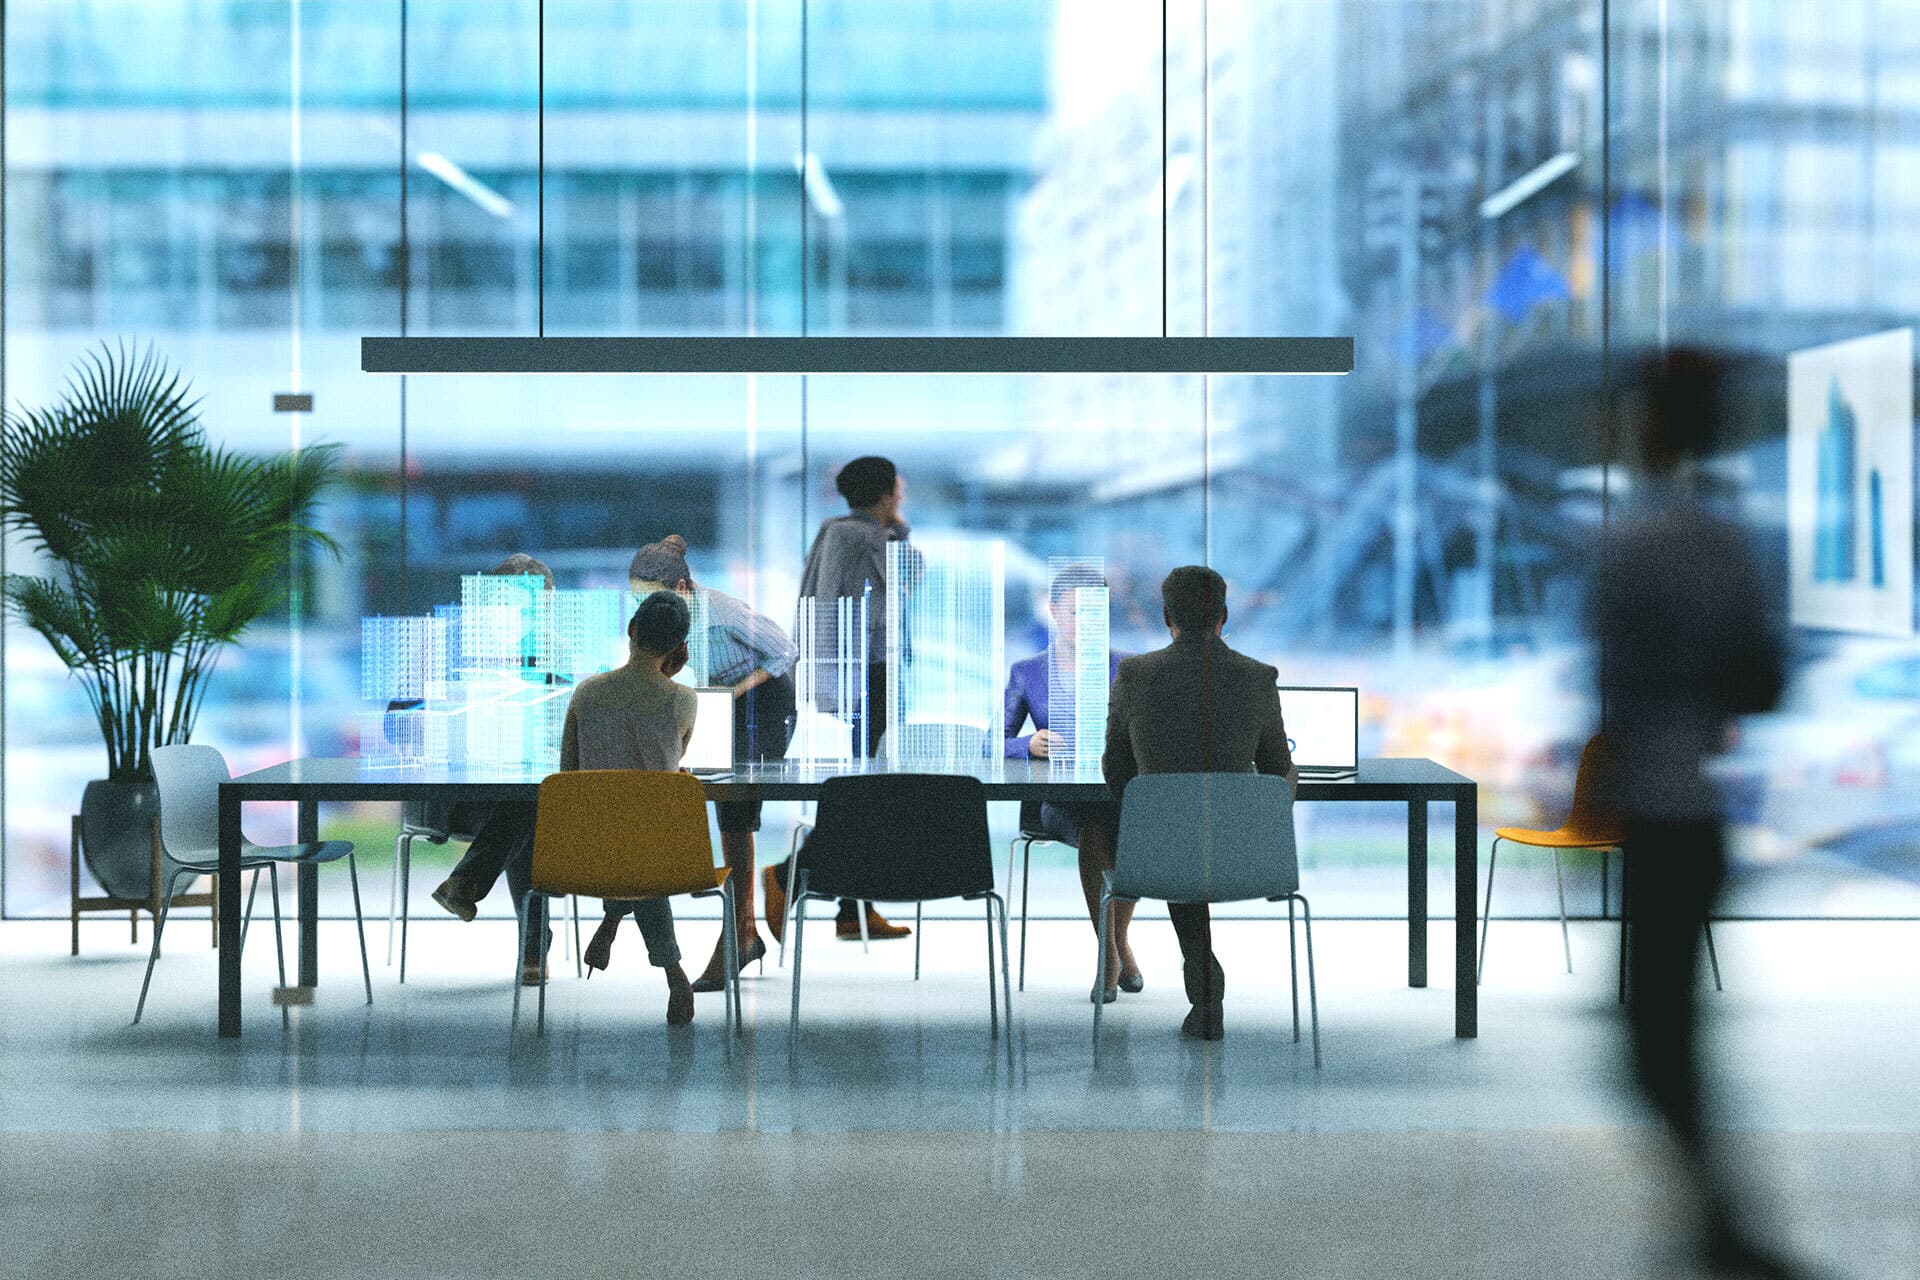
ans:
x=1118 y=765
x=1270 y=753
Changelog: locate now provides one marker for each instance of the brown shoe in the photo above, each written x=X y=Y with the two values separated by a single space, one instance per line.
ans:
x=454 y=895
x=533 y=972
x=878 y=927
x=776 y=899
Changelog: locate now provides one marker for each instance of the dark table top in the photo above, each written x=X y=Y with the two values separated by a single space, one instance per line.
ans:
x=351 y=779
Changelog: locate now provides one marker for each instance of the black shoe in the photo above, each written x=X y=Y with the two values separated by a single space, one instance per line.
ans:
x=1132 y=983
x=1204 y=1023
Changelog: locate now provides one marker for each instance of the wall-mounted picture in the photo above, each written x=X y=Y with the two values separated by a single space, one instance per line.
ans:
x=1850 y=484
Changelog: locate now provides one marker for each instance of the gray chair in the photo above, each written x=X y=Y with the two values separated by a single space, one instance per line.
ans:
x=1209 y=837
x=435 y=822
x=188 y=779
x=1031 y=834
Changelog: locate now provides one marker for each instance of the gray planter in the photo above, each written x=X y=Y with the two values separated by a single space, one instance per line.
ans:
x=116 y=834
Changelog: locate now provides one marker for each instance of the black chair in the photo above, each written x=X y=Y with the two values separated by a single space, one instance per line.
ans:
x=902 y=837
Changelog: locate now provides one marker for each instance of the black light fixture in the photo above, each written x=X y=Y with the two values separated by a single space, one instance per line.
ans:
x=841 y=355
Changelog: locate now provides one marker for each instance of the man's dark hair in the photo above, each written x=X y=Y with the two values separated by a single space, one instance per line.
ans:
x=1195 y=597
x=660 y=623
x=520 y=564
x=865 y=481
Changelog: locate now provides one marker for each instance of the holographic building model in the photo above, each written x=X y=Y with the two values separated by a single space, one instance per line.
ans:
x=946 y=650
x=1077 y=659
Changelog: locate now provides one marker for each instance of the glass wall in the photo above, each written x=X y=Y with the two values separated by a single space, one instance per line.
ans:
x=1503 y=201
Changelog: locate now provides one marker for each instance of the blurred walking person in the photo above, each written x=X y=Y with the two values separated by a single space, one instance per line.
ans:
x=1687 y=642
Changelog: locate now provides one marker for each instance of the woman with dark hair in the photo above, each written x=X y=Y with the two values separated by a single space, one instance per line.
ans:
x=1087 y=827
x=848 y=560
x=749 y=652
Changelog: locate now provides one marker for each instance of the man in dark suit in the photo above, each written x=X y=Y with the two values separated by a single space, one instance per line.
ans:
x=1195 y=706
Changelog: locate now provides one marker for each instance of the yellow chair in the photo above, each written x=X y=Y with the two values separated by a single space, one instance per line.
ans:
x=625 y=833
x=1588 y=826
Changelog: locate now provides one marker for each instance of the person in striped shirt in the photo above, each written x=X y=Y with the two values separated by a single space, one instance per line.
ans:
x=749 y=652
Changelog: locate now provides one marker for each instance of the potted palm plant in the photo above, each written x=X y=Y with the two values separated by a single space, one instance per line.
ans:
x=157 y=550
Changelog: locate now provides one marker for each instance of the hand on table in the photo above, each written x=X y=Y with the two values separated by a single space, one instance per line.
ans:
x=1044 y=743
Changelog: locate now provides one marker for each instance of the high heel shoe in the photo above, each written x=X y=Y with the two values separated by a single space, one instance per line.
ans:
x=718 y=982
x=1132 y=983
x=599 y=949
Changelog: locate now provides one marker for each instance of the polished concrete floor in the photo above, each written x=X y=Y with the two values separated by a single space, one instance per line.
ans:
x=415 y=1138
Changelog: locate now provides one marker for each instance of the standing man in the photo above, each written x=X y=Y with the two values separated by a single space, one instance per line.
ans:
x=1195 y=706
x=849 y=560
x=1687 y=642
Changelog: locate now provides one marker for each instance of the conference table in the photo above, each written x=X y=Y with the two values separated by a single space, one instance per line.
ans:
x=308 y=783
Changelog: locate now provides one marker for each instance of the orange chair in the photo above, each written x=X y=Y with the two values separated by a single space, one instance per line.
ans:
x=1588 y=826
x=625 y=833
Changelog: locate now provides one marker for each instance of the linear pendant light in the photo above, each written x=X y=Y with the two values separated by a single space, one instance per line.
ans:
x=841 y=355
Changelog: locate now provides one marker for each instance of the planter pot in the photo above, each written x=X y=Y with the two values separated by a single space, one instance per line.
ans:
x=116 y=834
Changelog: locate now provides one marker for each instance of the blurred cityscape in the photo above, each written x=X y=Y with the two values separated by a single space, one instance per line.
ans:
x=1501 y=200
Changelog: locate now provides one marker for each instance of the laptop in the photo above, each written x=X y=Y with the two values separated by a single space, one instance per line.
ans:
x=1323 y=730
x=710 y=754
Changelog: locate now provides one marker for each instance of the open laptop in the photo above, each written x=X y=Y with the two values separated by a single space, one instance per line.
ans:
x=1323 y=730
x=710 y=753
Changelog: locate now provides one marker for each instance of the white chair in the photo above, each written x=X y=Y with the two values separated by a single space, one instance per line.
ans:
x=1209 y=837
x=188 y=779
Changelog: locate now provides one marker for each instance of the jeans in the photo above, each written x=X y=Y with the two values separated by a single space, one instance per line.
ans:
x=655 y=919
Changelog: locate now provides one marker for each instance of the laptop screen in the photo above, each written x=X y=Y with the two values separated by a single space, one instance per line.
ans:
x=1323 y=726
x=711 y=750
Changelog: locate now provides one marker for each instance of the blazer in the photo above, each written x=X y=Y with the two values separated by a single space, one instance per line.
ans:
x=1028 y=692
x=1195 y=706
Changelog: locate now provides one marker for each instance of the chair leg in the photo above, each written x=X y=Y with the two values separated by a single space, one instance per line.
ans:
x=730 y=976
x=279 y=942
x=1712 y=958
x=1606 y=881
x=393 y=894
x=574 y=902
x=993 y=992
x=918 y=932
x=1293 y=969
x=1486 y=910
x=246 y=916
x=73 y=872
x=360 y=927
x=1006 y=983
x=860 y=909
x=1313 y=989
x=159 y=923
x=1626 y=912
x=1558 y=883
x=793 y=878
x=540 y=966
x=519 y=950
x=406 y=914
x=1026 y=878
x=797 y=896
x=1100 y=969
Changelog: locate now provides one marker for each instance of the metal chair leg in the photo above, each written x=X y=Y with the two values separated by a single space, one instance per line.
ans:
x=798 y=898
x=159 y=923
x=1100 y=966
x=1560 y=884
x=1712 y=958
x=246 y=917
x=793 y=878
x=1026 y=878
x=1486 y=910
x=917 y=934
x=731 y=973
x=1626 y=913
x=366 y=972
x=1606 y=881
x=393 y=892
x=1293 y=969
x=1006 y=987
x=573 y=900
x=520 y=949
x=279 y=943
x=1313 y=989
x=993 y=993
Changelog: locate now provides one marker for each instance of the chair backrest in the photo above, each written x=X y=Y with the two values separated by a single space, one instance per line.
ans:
x=188 y=779
x=1206 y=837
x=1589 y=817
x=900 y=837
x=934 y=740
x=622 y=833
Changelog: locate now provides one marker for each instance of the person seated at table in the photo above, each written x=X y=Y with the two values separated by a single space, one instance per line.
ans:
x=1087 y=827
x=503 y=833
x=1195 y=706
x=748 y=652
x=636 y=717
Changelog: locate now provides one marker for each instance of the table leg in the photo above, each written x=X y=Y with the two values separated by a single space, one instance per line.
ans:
x=1416 y=893
x=309 y=831
x=1466 y=910
x=229 y=909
